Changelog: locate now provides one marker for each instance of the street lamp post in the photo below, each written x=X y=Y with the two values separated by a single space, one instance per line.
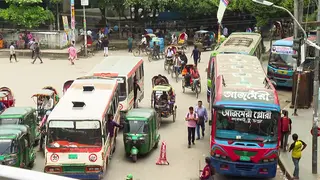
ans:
x=316 y=82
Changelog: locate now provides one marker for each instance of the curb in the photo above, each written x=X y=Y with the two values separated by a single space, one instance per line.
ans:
x=284 y=170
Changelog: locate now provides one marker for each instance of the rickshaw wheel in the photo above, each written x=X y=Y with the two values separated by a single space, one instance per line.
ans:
x=182 y=83
x=134 y=158
x=136 y=52
x=199 y=87
x=165 y=65
x=169 y=68
x=172 y=72
x=177 y=75
x=150 y=57
x=197 y=93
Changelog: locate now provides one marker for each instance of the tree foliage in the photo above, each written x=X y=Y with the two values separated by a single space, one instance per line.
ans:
x=25 y=13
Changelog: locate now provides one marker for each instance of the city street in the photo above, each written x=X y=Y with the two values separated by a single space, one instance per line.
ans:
x=25 y=79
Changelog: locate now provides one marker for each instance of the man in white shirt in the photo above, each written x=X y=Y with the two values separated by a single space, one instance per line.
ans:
x=32 y=46
x=12 y=52
x=143 y=40
x=47 y=104
x=169 y=53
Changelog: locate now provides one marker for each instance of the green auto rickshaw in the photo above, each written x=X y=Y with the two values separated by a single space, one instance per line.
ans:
x=25 y=116
x=140 y=133
x=15 y=146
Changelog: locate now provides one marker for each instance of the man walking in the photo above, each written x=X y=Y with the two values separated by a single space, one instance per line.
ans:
x=201 y=111
x=191 y=118
x=37 y=53
x=196 y=55
x=296 y=147
x=32 y=46
x=285 y=129
x=12 y=52
x=105 y=44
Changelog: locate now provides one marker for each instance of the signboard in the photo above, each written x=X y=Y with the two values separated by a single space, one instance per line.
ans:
x=84 y=2
x=247 y=116
x=65 y=23
x=250 y=95
x=283 y=50
x=61 y=124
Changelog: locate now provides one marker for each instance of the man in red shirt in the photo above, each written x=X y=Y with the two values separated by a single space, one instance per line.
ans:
x=285 y=129
x=194 y=76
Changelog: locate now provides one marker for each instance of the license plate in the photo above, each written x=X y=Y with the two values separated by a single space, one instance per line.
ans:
x=244 y=158
x=73 y=156
x=282 y=72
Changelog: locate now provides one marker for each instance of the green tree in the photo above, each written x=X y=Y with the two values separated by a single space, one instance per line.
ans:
x=26 y=13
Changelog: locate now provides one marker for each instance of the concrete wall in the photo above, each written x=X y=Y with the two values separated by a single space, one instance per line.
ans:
x=47 y=40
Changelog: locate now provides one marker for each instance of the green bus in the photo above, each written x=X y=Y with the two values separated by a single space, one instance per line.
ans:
x=237 y=43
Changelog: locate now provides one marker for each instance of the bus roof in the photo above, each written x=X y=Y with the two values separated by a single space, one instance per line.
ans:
x=242 y=43
x=242 y=78
x=85 y=99
x=240 y=71
x=289 y=41
x=116 y=66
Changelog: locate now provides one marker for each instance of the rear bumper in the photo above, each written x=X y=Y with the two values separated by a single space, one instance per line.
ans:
x=97 y=176
x=244 y=169
x=283 y=82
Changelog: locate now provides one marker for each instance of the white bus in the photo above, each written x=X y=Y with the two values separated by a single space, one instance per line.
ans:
x=78 y=142
x=125 y=69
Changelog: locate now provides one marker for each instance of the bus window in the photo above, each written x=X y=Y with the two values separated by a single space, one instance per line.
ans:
x=130 y=85
x=114 y=105
x=137 y=74
x=141 y=71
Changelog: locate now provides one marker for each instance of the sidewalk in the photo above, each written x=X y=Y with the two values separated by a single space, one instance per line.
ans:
x=301 y=125
x=60 y=53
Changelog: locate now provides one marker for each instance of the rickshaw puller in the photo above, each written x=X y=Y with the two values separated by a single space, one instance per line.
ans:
x=156 y=50
x=194 y=77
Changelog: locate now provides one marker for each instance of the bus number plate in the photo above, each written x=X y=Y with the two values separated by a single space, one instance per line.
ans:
x=282 y=72
x=73 y=156
x=244 y=158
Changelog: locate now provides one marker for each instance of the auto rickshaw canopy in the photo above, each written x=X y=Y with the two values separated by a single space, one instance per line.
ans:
x=44 y=92
x=140 y=114
x=165 y=88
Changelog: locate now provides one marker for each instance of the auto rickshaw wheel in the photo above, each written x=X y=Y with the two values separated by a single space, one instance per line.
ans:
x=156 y=145
x=134 y=158
x=31 y=164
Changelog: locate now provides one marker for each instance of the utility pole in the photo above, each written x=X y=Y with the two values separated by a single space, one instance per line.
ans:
x=315 y=103
x=83 y=4
x=296 y=15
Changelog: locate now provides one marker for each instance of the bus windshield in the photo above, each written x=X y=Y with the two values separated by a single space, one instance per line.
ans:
x=247 y=125
x=286 y=60
x=74 y=134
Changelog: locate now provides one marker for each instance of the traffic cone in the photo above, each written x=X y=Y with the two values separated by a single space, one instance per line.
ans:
x=163 y=155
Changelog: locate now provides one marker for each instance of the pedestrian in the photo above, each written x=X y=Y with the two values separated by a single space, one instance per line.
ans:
x=196 y=55
x=12 y=52
x=105 y=44
x=285 y=129
x=208 y=171
x=192 y=119
x=32 y=46
x=130 y=40
x=37 y=53
x=72 y=54
x=203 y=118
x=296 y=147
x=136 y=87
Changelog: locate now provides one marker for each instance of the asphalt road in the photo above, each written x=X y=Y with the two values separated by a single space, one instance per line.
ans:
x=25 y=79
